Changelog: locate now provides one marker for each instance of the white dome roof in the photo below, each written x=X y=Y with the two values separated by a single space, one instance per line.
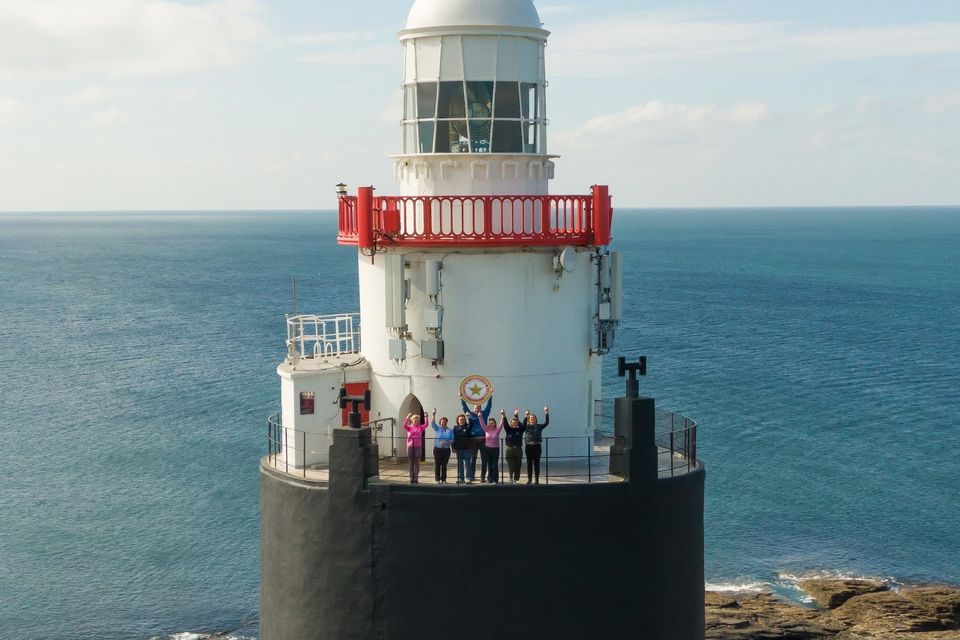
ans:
x=426 y=14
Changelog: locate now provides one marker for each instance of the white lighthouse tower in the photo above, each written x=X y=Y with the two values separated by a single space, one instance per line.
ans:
x=476 y=286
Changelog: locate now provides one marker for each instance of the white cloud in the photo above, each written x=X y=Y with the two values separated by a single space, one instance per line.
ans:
x=613 y=46
x=346 y=47
x=658 y=119
x=748 y=113
x=11 y=111
x=124 y=38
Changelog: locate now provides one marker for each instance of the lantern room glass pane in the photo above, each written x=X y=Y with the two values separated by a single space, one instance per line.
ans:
x=479 y=99
x=452 y=136
x=507 y=59
x=530 y=99
x=428 y=59
x=410 y=138
x=480 y=136
x=410 y=102
x=451 y=59
x=479 y=57
x=426 y=100
x=528 y=59
x=426 y=137
x=507 y=136
x=530 y=131
x=410 y=61
x=508 y=100
x=451 y=103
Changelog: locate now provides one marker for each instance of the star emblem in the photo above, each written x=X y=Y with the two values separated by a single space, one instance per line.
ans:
x=476 y=389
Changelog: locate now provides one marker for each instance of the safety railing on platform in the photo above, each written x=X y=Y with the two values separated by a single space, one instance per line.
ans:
x=311 y=336
x=501 y=220
x=675 y=436
x=563 y=460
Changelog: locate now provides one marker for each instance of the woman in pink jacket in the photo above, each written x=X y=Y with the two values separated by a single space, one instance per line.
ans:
x=491 y=449
x=414 y=428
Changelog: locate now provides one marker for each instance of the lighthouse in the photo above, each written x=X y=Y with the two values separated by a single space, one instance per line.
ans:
x=478 y=288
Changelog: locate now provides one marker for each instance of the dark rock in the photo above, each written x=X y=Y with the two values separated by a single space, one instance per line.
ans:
x=833 y=593
x=914 y=613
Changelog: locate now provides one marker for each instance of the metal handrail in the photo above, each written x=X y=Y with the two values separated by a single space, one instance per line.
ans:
x=311 y=336
x=675 y=437
x=501 y=220
x=573 y=459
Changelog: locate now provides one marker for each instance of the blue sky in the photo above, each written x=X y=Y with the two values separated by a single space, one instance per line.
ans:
x=245 y=104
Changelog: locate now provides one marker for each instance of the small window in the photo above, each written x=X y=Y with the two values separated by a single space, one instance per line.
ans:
x=426 y=99
x=307 y=401
x=507 y=136
x=508 y=100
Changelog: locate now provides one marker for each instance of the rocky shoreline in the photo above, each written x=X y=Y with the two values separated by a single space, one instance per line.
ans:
x=844 y=610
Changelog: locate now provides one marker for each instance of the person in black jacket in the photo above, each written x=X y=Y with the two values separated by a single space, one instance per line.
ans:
x=514 y=441
x=533 y=436
x=463 y=445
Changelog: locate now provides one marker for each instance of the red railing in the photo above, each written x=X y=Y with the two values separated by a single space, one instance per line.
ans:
x=369 y=221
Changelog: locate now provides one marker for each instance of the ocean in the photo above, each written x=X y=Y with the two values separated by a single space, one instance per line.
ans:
x=819 y=350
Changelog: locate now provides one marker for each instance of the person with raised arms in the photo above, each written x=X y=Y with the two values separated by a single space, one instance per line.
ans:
x=514 y=441
x=533 y=436
x=463 y=445
x=441 y=447
x=414 y=429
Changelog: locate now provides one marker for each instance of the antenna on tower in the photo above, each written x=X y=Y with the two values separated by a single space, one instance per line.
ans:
x=294 y=294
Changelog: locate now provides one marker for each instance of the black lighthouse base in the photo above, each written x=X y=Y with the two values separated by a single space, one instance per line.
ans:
x=366 y=559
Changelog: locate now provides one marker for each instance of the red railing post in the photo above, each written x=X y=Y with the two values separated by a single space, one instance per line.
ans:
x=546 y=229
x=487 y=216
x=365 y=218
x=601 y=215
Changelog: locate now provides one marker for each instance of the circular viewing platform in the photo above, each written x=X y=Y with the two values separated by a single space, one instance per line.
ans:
x=564 y=460
x=369 y=221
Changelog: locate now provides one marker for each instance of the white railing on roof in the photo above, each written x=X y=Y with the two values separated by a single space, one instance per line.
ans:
x=323 y=336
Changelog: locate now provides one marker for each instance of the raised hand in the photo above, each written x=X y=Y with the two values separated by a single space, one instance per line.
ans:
x=546 y=409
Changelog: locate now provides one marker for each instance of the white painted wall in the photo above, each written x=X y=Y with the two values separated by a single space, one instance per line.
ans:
x=504 y=318
x=308 y=437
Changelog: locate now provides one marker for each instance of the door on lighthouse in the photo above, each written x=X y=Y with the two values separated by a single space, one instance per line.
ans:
x=411 y=405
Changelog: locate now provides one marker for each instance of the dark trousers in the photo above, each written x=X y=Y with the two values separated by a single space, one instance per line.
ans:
x=514 y=460
x=413 y=460
x=441 y=456
x=533 y=461
x=492 y=457
x=478 y=453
